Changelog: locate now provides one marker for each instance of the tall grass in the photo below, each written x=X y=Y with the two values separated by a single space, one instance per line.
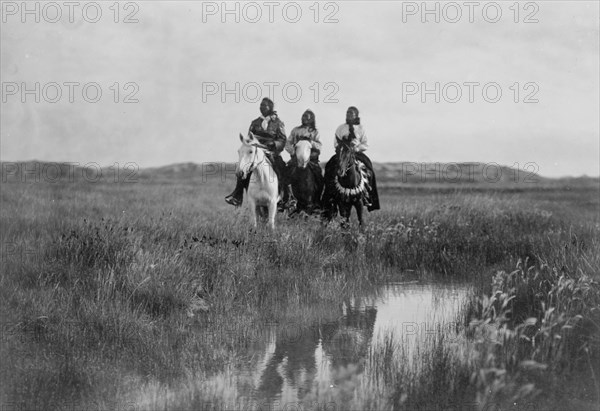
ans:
x=532 y=342
x=540 y=329
x=108 y=286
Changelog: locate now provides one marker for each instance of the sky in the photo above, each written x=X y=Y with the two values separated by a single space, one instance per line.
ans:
x=168 y=71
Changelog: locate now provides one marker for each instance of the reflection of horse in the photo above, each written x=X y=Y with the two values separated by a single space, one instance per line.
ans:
x=345 y=341
x=306 y=179
x=349 y=341
x=351 y=183
x=295 y=356
x=263 y=187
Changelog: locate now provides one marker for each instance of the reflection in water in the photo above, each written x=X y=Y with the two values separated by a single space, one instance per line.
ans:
x=329 y=356
x=297 y=357
x=295 y=363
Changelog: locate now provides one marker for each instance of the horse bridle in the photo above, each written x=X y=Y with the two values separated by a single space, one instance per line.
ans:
x=254 y=164
x=349 y=155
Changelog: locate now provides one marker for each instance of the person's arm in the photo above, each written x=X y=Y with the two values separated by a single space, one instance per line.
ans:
x=274 y=142
x=316 y=141
x=264 y=137
x=252 y=128
x=291 y=141
x=315 y=150
x=256 y=129
x=362 y=143
x=281 y=136
x=338 y=136
x=280 y=139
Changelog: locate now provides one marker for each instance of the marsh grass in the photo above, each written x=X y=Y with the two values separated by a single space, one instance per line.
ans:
x=540 y=329
x=100 y=283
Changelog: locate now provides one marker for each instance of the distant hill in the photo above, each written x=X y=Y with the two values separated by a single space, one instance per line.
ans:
x=389 y=175
x=176 y=169
x=401 y=172
x=453 y=173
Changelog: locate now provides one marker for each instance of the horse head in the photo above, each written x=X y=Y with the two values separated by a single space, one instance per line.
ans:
x=250 y=154
x=302 y=150
x=348 y=168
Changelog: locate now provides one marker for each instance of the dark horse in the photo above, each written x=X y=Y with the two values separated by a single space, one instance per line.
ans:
x=306 y=179
x=350 y=186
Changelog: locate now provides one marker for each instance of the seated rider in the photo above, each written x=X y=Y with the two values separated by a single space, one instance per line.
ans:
x=270 y=131
x=354 y=133
x=307 y=131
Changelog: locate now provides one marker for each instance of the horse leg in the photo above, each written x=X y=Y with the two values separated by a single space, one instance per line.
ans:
x=345 y=210
x=272 y=211
x=309 y=204
x=329 y=208
x=346 y=223
x=253 y=210
x=262 y=212
x=359 y=212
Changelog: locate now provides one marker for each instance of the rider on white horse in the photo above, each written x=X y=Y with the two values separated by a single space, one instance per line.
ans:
x=270 y=131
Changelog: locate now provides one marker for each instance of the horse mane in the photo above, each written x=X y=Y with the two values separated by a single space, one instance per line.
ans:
x=346 y=156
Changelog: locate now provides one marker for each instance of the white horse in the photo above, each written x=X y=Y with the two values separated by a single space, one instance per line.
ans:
x=302 y=150
x=263 y=190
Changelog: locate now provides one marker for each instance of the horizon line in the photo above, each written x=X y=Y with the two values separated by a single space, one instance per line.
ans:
x=78 y=164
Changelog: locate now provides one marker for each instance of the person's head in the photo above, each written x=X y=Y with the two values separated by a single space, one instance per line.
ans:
x=308 y=119
x=352 y=115
x=266 y=106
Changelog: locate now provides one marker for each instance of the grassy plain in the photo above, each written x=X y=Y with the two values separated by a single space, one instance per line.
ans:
x=111 y=288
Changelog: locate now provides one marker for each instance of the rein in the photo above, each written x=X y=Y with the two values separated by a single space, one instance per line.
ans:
x=254 y=164
x=347 y=160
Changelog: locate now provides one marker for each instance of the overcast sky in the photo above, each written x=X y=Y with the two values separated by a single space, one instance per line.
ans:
x=179 y=53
